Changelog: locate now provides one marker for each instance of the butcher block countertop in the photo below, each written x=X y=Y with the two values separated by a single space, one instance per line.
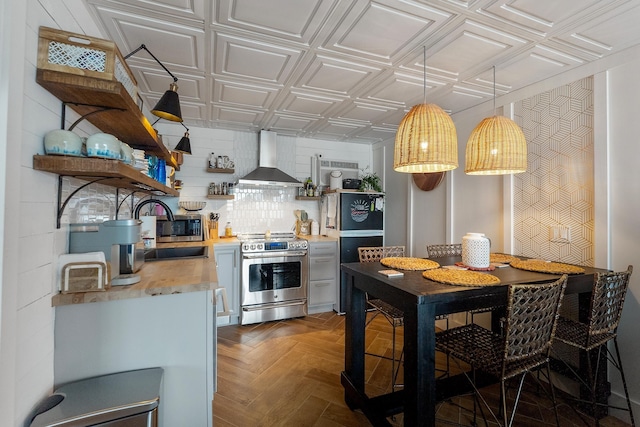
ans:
x=158 y=278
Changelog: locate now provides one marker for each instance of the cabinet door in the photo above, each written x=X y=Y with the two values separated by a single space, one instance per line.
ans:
x=228 y=269
x=317 y=249
x=322 y=292
x=321 y=268
x=323 y=274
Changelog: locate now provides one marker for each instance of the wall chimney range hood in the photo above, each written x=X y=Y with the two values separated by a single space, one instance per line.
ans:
x=267 y=173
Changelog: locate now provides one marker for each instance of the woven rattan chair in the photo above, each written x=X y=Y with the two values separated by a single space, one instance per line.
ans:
x=525 y=345
x=455 y=249
x=394 y=316
x=607 y=299
x=439 y=251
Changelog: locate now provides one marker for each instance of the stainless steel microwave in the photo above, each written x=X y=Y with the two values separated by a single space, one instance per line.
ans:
x=184 y=228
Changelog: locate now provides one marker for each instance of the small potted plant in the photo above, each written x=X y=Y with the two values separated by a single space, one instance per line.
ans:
x=370 y=181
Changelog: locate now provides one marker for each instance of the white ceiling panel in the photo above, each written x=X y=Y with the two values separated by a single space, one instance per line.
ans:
x=334 y=76
x=189 y=9
x=303 y=103
x=349 y=70
x=242 y=95
x=274 y=17
x=242 y=58
x=381 y=32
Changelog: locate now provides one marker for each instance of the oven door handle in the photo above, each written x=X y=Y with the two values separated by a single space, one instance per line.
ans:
x=273 y=254
x=273 y=305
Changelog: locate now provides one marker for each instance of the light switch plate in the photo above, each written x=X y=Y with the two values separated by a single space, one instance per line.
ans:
x=560 y=234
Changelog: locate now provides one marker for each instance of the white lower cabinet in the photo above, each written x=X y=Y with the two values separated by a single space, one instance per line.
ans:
x=174 y=332
x=228 y=268
x=323 y=273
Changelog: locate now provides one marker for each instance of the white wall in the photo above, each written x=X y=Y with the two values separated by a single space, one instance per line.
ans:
x=12 y=17
x=623 y=206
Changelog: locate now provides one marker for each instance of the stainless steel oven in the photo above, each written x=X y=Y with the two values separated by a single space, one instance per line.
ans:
x=275 y=277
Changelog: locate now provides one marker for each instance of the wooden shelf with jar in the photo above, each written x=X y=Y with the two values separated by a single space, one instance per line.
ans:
x=307 y=197
x=220 y=170
x=99 y=97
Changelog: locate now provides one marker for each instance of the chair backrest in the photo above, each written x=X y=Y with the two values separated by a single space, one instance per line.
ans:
x=439 y=251
x=607 y=299
x=376 y=253
x=532 y=314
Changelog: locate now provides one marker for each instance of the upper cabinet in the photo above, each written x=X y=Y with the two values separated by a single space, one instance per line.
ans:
x=91 y=77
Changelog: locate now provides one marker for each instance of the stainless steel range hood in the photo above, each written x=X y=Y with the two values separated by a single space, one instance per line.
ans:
x=267 y=173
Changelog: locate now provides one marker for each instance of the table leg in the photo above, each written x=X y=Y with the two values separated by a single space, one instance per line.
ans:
x=419 y=366
x=354 y=338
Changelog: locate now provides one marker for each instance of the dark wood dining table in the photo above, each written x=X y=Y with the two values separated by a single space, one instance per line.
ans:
x=422 y=301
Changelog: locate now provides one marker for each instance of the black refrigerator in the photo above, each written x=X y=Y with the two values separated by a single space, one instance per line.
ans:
x=356 y=219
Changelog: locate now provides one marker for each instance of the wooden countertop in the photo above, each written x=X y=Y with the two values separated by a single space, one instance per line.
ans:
x=310 y=238
x=158 y=278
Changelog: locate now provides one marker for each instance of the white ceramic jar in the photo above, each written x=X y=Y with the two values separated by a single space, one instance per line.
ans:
x=103 y=145
x=62 y=142
x=476 y=250
x=126 y=153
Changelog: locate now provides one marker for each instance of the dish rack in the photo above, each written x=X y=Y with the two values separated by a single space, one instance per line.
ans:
x=192 y=206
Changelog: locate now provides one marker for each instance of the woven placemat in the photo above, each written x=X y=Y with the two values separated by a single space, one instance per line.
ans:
x=542 y=266
x=502 y=258
x=461 y=277
x=408 y=263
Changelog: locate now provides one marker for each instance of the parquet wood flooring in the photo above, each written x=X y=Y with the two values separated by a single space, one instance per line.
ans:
x=287 y=373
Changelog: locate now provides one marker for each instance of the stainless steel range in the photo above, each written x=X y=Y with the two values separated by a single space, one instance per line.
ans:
x=275 y=271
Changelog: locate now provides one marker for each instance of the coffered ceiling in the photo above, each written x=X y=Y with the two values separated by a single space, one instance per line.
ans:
x=349 y=70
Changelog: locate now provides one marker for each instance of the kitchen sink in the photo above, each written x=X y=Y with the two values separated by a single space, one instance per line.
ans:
x=167 y=254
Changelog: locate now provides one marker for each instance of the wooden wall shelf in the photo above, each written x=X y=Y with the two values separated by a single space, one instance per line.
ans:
x=307 y=198
x=85 y=95
x=220 y=170
x=114 y=173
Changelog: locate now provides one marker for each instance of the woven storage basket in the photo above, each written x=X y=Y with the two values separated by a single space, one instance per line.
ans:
x=82 y=55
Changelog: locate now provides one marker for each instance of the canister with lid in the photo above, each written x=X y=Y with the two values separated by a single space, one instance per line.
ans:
x=476 y=250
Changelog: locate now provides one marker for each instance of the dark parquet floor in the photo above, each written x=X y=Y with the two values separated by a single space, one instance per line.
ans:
x=287 y=373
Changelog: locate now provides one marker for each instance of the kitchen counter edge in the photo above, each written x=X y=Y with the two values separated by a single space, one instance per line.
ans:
x=159 y=278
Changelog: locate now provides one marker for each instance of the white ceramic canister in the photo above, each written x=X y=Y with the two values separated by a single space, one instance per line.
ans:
x=335 y=180
x=63 y=142
x=476 y=250
x=103 y=145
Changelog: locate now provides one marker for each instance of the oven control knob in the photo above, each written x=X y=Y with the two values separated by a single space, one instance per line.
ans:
x=260 y=246
x=245 y=247
x=253 y=247
x=292 y=245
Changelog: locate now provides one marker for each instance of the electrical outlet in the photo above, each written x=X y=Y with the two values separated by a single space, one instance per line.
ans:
x=560 y=234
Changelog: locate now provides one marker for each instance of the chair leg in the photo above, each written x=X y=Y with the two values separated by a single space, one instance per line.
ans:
x=624 y=381
x=393 y=358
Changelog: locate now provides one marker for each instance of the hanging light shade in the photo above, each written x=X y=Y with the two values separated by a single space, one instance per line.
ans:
x=426 y=141
x=168 y=107
x=184 y=145
x=496 y=146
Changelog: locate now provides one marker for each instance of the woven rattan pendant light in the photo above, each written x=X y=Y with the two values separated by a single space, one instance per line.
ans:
x=496 y=146
x=426 y=140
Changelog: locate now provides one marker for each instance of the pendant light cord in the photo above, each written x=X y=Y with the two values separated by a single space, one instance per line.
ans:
x=494 y=91
x=424 y=74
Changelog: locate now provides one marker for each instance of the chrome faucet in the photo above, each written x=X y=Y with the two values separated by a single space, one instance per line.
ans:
x=136 y=212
